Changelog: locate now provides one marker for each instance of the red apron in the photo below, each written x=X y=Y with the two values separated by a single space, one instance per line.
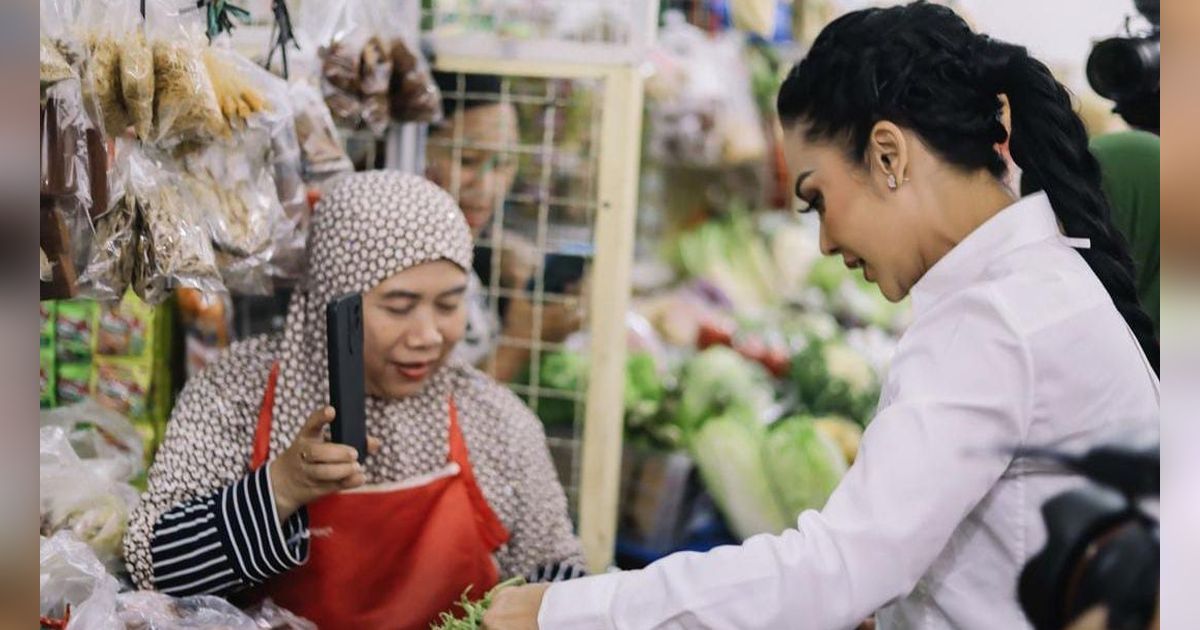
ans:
x=393 y=555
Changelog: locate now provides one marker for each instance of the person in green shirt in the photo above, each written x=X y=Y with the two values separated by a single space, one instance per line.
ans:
x=1129 y=162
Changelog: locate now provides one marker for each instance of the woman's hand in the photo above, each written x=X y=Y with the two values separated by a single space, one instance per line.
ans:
x=311 y=467
x=515 y=608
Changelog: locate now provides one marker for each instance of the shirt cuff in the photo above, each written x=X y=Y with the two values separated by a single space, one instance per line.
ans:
x=583 y=604
x=259 y=544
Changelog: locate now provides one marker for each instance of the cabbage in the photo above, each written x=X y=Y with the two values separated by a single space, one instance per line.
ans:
x=831 y=378
x=720 y=381
x=843 y=432
x=729 y=455
x=804 y=464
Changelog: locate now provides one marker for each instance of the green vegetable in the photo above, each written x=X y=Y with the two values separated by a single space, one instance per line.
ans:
x=729 y=454
x=472 y=617
x=804 y=464
x=719 y=381
x=831 y=378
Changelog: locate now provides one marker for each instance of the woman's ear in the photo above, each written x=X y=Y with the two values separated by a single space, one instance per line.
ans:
x=888 y=154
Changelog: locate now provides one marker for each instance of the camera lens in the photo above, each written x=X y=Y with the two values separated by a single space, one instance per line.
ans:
x=1119 y=68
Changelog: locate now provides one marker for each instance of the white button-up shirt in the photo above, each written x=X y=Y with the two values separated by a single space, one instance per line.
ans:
x=1014 y=342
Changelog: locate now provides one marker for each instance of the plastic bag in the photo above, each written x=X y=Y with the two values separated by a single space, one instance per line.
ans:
x=74 y=584
x=106 y=440
x=704 y=114
x=185 y=102
x=106 y=28
x=108 y=271
x=80 y=497
x=55 y=55
x=65 y=185
x=268 y=615
x=233 y=78
x=172 y=246
x=414 y=94
x=321 y=148
x=149 y=610
x=355 y=61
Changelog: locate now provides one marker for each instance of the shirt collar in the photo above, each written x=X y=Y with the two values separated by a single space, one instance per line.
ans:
x=1029 y=220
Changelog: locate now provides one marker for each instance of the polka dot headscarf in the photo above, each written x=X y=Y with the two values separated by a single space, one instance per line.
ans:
x=368 y=227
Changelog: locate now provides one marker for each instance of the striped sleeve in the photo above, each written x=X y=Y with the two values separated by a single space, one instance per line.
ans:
x=227 y=541
x=556 y=572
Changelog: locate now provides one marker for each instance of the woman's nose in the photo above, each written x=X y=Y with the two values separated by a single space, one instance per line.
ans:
x=827 y=245
x=424 y=333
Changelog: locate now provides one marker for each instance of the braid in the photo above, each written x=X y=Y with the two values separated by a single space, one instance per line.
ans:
x=1049 y=143
x=921 y=67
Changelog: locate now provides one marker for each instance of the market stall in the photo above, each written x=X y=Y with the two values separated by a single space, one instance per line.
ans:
x=718 y=372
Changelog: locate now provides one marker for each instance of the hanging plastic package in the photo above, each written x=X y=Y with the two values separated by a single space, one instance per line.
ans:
x=106 y=28
x=321 y=148
x=108 y=270
x=185 y=101
x=65 y=186
x=355 y=61
x=173 y=249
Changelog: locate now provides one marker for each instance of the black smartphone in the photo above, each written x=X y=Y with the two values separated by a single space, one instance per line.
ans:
x=344 y=337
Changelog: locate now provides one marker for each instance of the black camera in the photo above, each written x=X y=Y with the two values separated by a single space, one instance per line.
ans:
x=1102 y=543
x=1126 y=70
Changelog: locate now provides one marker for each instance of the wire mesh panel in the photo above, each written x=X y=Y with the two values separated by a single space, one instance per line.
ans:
x=548 y=180
x=523 y=153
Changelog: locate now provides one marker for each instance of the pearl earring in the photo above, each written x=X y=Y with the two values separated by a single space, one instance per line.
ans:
x=891 y=181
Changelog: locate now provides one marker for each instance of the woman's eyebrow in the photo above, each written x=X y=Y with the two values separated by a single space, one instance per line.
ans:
x=453 y=292
x=800 y=181
x=399 y=294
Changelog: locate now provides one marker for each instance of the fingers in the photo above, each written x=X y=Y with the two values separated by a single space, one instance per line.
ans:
x=373 y=445
x=314 y=427
x=328 y=453
x=329 y=473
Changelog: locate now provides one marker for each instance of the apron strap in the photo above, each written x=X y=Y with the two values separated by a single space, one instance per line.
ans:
x=262 y=432
x=493 y=531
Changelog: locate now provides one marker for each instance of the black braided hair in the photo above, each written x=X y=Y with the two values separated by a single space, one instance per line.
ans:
x=920 y=66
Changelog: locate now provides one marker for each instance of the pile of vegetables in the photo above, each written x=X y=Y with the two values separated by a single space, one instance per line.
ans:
x=829 y=377
x=472 y=611
x=729 y=253
x=760 y=475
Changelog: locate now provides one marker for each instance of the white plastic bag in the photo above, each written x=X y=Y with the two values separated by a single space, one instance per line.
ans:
x=102 y=438
x=149 y=610
x=74 y=583
x=81 y=498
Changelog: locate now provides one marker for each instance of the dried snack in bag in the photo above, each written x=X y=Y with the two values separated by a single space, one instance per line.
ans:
x=172 y=246
x=186 y=105
x=321 y=148
x=53 y=65
x=109 y=270
x=356 y=64
x=238 y=97
x=137 y=84
x=413 y=93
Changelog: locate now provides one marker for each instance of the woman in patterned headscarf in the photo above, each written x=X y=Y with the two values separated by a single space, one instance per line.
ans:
x=247 y=496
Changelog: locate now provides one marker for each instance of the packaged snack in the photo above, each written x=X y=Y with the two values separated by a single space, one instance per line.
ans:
x=75 y=322
x=72 y=382
x=122 y=385
x=124 y=329
x=46 y=378
x=47 y=311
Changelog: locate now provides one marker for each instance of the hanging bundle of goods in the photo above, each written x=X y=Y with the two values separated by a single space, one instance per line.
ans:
x=168 y=160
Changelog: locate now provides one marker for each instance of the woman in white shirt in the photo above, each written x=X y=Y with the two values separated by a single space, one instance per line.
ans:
x=1021 y=337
